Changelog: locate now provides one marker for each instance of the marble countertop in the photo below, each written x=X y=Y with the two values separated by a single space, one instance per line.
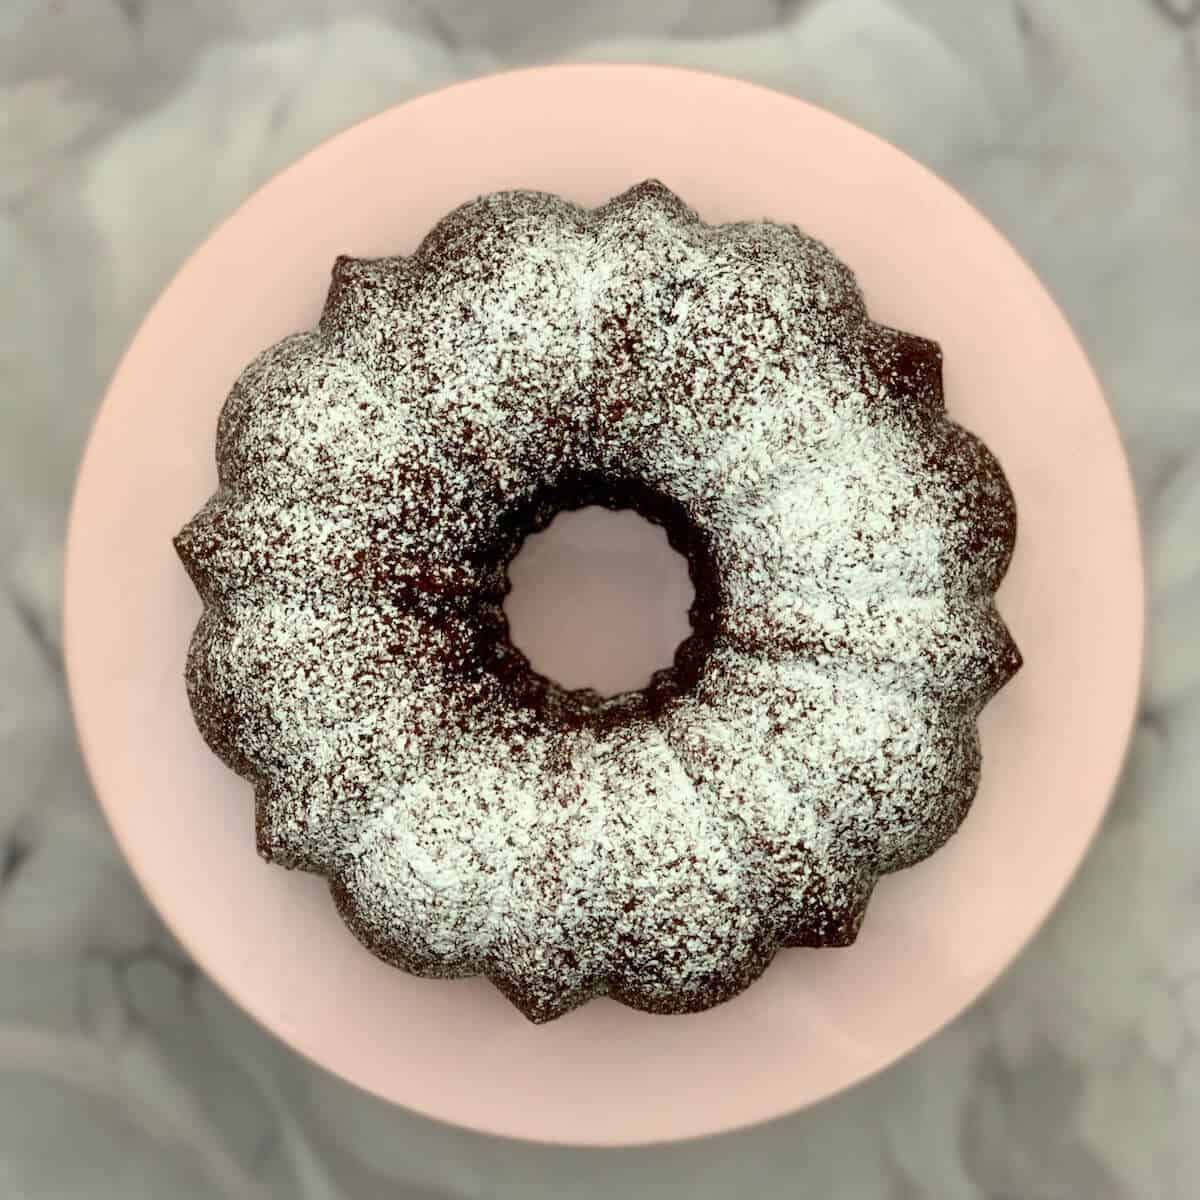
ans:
x=127 y=127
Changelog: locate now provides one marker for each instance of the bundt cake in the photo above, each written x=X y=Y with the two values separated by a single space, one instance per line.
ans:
x=845 y=539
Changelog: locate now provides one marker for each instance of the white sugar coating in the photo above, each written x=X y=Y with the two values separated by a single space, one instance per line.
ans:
x=846 y=540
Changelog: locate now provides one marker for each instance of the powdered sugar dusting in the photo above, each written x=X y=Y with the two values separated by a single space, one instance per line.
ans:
x=378 y=473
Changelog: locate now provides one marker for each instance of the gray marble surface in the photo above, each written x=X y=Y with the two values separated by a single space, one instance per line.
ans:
x=127 y=127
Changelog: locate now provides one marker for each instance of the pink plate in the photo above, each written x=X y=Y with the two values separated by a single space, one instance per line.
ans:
x=935 y=935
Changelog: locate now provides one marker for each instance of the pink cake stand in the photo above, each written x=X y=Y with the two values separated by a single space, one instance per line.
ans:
x=936 y=935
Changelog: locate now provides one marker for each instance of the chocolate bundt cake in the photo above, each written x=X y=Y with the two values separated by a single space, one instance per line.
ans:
x=845 y=539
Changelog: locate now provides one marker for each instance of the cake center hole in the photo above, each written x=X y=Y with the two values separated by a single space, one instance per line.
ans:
x=599 y=600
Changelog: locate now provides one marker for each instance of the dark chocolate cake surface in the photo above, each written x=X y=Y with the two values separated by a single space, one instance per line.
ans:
x=845 y=538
